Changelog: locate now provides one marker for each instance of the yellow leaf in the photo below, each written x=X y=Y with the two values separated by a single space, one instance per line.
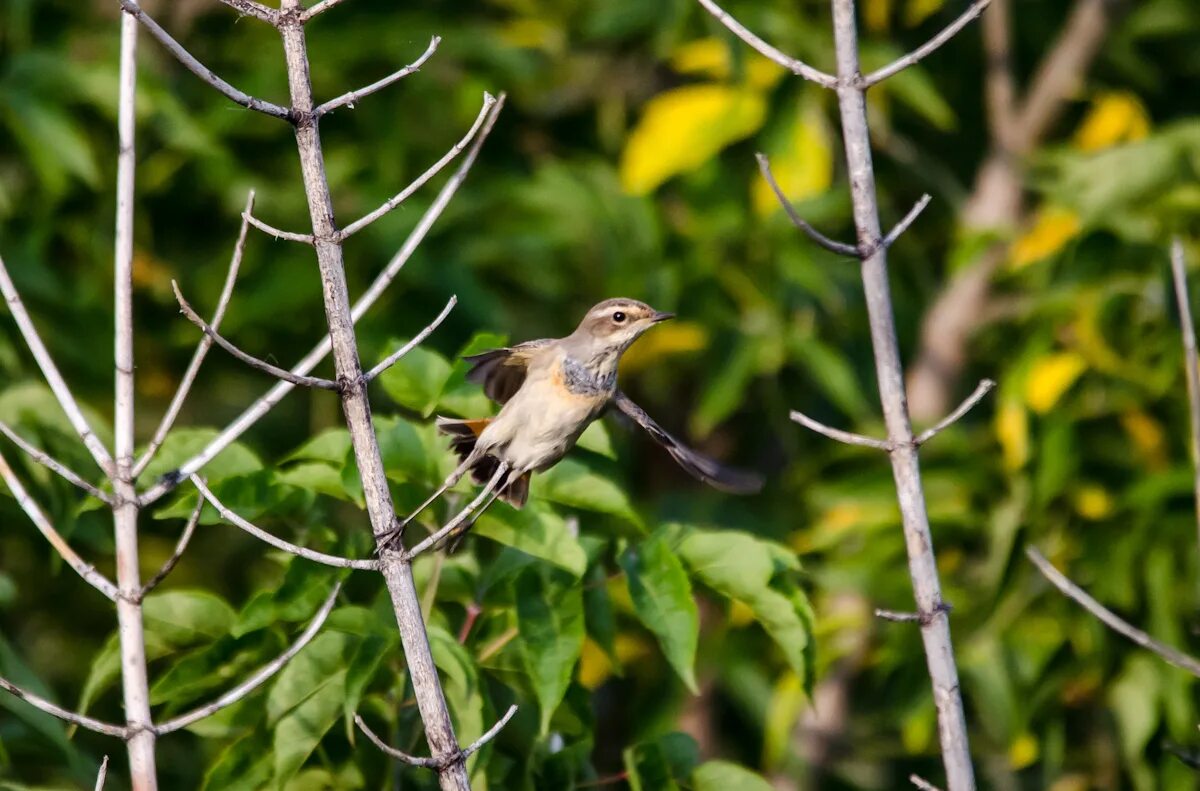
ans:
x=786 y=703
x=712 y=57
x=804 y=165
x=683 y=128
x=1147 y=436
x=533 y=33
x=1050 y=377
x=1023 y=751
x=1093 y=502
x=1115 y=117
x=676 y=337
x=740 y=613
x=629 y=647
x=1012 y=430
x=594 y=665
x=1051 y=230
x=877 y=14
x=1074 y=782
x=917 y=11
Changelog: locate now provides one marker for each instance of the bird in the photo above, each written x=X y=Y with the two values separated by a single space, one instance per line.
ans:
x=550 y=390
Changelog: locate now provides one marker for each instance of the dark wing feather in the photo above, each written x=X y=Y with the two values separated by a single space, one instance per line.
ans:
x=502 y=371
x=705 y=469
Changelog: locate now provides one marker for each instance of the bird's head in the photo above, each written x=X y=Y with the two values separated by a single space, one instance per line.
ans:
x=614 y=324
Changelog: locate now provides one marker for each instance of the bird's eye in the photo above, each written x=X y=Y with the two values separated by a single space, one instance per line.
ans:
x=618 y=317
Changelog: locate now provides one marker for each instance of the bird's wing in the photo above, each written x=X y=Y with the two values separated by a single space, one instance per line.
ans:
x=502 y=371
x=705 y=469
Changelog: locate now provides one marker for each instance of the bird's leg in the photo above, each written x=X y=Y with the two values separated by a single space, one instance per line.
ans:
x=457 y=535
x=396 y=532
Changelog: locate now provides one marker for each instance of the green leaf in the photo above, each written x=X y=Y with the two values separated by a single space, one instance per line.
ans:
x=362 y=670
x=832 y=374
x=309 y=671
x=662 y=599
x=535 y=530
x=662 y=763
x=725 y=776
x=185 y=617
x=578 y=483
x=330 y=446
x=599 y=616
x=184 y=443
x=595 y=438
x=299 y=732
x=417 y=379
x=304 y=587
x=244 y=766
x=753 y=571
x=315 y=476
x=551 y=629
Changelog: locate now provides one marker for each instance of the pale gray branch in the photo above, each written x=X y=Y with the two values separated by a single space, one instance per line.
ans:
x=279 y=543
x=922 y=784
x=417 y=339
x=847 y=437
x=193 y=369
x=766 y=50
x=463 y=515
x=907 y=220
x=102 y=775
x=1109 y=618
x=966 y=406
x=841 y=248
x=256 y=10
x=271 y=230
x=400 y=197
x=72 y=717
x=319 y=8
x=923 y=51
x=265 y=403
x=49 y=370
x=352 y=98
x=52 y=464
x=34 y=512
x=1190 y=361
x=252 y=361
x=261 y=676
x=433 y=763
x=180 y=547
x=199 y=69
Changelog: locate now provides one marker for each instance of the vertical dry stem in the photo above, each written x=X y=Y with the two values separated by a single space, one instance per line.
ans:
x=135 y=684
x=935 y=628
x=397 y=572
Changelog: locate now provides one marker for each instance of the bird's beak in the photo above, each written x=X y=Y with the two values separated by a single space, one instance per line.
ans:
x=661 y=316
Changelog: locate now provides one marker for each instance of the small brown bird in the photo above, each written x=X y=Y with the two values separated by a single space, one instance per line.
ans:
x=551 y=390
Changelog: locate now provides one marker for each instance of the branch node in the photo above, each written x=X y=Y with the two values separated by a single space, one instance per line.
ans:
x=921 y=617
x=841 y=248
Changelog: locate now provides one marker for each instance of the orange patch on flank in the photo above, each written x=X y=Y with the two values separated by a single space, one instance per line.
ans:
x=477 y=426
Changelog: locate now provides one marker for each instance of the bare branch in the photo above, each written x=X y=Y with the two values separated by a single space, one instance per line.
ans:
x=907 y=220
x=102 y=775
x=260 y=676
x=417 y=339
x=922 y=784
x=400 y=197
x=52 y=464
x=199 y=69
x=847 y=437
x=966 y=406
x=279 y=543
x=30 y=507
x=193 y=369
x=841 y=248
x=267 y=402
x=923 y=51
x=1190 y=361
x=350 y=99
x=433 y=763
x=766 y=50
x=256 y=10
x=49 y=370
x=271 y=230
x=923 y=618
x=252 y=361
x=1109 y=618
x=82 y=721
x=492 y=488
x=319 y=8
x=180 y=546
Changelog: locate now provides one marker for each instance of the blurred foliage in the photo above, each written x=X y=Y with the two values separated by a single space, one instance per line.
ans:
x=654 y=632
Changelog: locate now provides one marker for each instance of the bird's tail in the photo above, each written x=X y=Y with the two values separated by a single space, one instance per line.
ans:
x=463 y=434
